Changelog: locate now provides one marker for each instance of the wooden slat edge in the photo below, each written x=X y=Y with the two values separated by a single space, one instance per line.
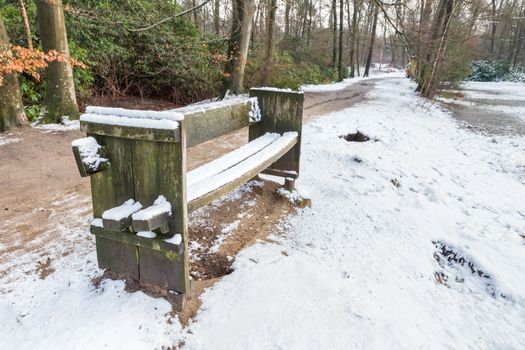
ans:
x=129 y=132
x=157 y=244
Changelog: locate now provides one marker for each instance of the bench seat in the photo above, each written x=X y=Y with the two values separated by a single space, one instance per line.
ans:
x=228 y=172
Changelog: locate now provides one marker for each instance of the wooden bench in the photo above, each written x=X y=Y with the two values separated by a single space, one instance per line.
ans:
x=141 y=191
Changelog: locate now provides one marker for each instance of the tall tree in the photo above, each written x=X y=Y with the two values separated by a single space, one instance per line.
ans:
x=372 y=42
x=340 y=66
x=217 y=17
x=25 y=21
x=287 y=9
x=353 y=41
x=238 y=45
x=11 y=107
x=270 y=43
x=60 y=99
x=334 y=33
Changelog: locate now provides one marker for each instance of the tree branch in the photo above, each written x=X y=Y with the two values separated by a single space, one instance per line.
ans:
x=168 y=18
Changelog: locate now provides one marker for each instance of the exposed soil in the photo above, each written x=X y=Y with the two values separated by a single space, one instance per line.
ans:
x=356 y=137
x=449 y=260
x=41 y=191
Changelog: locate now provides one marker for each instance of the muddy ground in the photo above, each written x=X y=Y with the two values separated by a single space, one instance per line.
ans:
x=42 y=190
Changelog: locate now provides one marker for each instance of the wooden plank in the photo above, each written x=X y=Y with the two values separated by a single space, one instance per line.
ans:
x=119 y=218
x=281 y=111
x=102 y=246
x=152 y=223
x=209 y=123
x=227 y=161
x=156 y=244
x=83 y=168
x=161 y=269
x=280 y=173
x=128 y=132
x=114 y=186
x=209 y=189
x=117 y=225
x=159 y=168
x=111 y=188
x=123 y=259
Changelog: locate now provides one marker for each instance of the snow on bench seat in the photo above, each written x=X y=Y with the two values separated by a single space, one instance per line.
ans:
x=227 y=161
x=215 y=179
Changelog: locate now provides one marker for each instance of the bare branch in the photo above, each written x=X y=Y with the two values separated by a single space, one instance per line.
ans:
x=168 y=18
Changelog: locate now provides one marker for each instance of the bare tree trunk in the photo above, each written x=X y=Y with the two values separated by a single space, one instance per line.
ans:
x=334 y=28
x=493 y=28
x=243 y=11
x=11 y=107
x=357 y=40
x=217 y=17
x=271 y=42
x=353 y=43
x=519 y=40
x=195 y=14
x=60 y=100
x=287 y=17
x=431 y=85
x=340 y=67
x=25 y=21
x=372 y=42
x=309 y=26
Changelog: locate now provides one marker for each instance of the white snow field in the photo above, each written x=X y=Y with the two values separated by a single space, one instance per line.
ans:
x=356 y=271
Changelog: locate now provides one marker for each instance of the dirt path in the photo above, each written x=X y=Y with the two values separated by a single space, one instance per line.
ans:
x=41 y=191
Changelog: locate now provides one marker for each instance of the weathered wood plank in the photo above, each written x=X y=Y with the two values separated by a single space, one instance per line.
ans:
x=281 y=111
x=117 y=225
x=86 y=170
x=160 y=169
x=162 y=269
x=152 y=223
x=280 y=173
x=119 y=218
x=156 y=244
x=128 y=132
x=102 y=246
x=114 y=186
x=123 y=259
x=206 y=191
x=208 y=124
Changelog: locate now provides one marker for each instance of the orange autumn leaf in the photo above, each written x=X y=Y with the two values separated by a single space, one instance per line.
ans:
x=17 y=59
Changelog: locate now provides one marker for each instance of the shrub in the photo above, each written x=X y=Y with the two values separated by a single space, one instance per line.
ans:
x=488 y=70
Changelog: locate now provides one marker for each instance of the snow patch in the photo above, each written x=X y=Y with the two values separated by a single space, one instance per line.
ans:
x=66 y=125
x=146 y=234
x=176 y=239
x=123 y=211
x=89 y=152
x=160 y=206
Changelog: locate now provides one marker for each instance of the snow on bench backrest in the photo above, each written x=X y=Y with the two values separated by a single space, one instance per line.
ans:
x=134 y=124
x=210 y=119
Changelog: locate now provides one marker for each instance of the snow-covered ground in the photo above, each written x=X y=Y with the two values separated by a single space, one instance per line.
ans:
x=8 y=138
x=495 y=90
x=66 y=125
x=374 y=73
x=359 y=269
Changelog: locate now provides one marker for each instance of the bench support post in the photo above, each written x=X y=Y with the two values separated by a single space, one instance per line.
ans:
x=281 y=111
x=143 y=170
